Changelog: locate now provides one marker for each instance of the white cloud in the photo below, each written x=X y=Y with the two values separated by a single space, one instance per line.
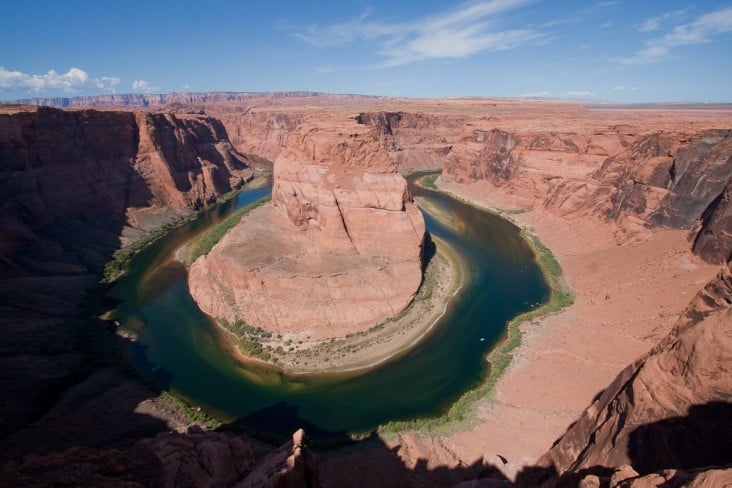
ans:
x=143 y=86
x=541 y=94
x=468 y=29
x=704 y=29
x=654 y=23
x=624 y=87
x=607 y=24
x=74 y=79
x=583 y=93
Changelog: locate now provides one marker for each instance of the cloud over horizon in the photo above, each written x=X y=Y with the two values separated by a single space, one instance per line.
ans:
x=706 y=28
x=74 y=79
x=467 y=29
x=143 y=86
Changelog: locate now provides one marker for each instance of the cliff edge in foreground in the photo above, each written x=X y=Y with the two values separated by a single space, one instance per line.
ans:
x=670 y=409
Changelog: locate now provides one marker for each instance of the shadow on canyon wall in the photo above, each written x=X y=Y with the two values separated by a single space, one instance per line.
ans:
x=701 y=438
x=75 y=185
x=692 y=443
x=96 y=405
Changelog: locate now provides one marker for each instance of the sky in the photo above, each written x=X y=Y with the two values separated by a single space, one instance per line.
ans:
x=628 y=51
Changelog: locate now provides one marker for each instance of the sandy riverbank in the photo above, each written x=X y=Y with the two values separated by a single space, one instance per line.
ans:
x=627 y=297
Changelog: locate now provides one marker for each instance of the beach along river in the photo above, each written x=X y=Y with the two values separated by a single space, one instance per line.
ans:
x=181 y=349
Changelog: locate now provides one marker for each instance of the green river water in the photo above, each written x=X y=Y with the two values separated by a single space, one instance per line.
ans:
x=179 y=348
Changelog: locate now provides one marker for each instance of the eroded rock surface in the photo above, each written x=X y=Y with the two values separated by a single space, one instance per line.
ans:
x=76 y=186
x=636 y=169
x=670 y=409
x=196 y=458
x=338 y=251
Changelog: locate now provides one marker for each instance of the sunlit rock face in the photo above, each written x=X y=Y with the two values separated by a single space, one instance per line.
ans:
x=338 y=250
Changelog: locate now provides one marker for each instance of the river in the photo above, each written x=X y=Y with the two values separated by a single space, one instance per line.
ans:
x=181 y=349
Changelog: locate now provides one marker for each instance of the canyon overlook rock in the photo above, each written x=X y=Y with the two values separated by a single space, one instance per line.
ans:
x=339 y=250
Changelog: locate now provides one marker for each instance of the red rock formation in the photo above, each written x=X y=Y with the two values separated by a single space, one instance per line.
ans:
x=197 y=458
x=343 y=243
x=661 y=179
x=59 y=221
x=714 y=236
x=669 y=179
x=260 y=132
x=292 y=465
x=483 y=155
x=75 y=185
x=669 y=409
x=415 y=141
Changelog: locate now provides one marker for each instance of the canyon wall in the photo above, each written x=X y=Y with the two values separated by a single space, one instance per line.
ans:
x=663 y=179
x=670 y=409
x=196 y=458
x=338 y=251
x=76 y=186
x=641 y=176
x=415 y=141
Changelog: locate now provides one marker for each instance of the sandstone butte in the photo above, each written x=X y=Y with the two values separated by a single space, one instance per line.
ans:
x=338 y=251
x=628 y=387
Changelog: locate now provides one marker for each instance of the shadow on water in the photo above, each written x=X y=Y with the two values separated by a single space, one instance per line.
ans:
x=429 y=250
x=276 y=423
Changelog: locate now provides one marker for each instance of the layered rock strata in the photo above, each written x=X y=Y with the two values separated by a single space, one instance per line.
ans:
x=338 y=251
x=557 y=167
x=75 y=187
x=662 y=179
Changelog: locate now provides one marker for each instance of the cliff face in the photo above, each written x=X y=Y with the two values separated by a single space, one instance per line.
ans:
x=661 y=179
x=483 y=155
x=713 y=239
x=675 y=180
x=261 y=132
x=75 y=186
x=195 y=458
x=343 y=243
x=669 y=409
x=414 y=141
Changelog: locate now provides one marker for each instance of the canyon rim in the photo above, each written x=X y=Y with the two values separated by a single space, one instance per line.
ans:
x=634 y=203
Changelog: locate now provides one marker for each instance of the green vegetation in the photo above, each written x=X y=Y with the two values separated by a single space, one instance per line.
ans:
x=120 y=261
x=212 y=236
x=117 y=266
x=429 y=181
x=561 y=297
x=461 y=414
x=196 y=415
x=249 y=339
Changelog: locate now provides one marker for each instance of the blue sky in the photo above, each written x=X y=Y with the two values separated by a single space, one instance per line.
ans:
x=624 y=51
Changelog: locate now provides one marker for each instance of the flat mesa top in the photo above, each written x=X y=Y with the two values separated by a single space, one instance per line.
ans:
x=265 y=238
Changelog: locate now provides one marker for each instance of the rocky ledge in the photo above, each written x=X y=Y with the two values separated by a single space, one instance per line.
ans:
x=338 y=251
